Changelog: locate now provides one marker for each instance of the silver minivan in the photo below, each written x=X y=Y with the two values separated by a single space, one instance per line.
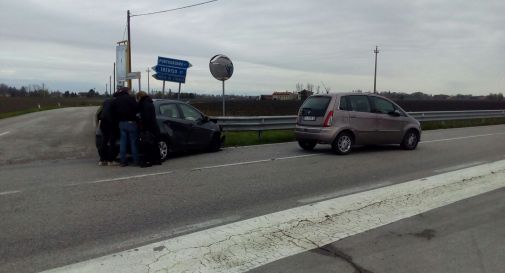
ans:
x=347 y=119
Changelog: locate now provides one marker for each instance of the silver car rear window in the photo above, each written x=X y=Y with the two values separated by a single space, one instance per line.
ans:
x=315 y=106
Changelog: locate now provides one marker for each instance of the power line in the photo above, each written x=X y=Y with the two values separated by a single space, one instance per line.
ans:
x=161 y=11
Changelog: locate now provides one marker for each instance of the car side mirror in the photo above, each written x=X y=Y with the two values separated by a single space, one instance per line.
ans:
x=395 y=113
x=204 y=119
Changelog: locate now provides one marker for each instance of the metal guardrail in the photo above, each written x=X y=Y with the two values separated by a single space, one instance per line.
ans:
x=263 y=123
x=258 y=123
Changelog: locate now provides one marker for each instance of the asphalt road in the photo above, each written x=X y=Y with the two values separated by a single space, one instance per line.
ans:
x=465 y=237
x=55 y=134
x=61 y=211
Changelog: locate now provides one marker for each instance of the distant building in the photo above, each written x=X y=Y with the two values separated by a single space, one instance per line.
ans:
x=304 y=94
x=285 y=96
x=266 y=97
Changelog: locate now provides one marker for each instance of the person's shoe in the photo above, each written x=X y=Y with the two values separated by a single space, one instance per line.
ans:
x=123 y=164
x=102 y=163
x=113 y=163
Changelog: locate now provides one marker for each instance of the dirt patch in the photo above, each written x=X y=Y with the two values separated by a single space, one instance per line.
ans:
x=427 y=234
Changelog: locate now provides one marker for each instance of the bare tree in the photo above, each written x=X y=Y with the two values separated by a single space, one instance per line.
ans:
x=327 y=89
x=299 y=87
x=310 y=87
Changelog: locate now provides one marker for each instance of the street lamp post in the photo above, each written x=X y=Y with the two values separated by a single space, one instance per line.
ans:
x=148 y=92
x=129 y=49
x=376 y=51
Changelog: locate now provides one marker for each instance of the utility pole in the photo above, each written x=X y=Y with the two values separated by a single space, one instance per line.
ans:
x=110 y=85
x=148 y=92
x=114 y=73
x=129 y=15
x=376 y=51
x=129 y=49
x=179 y=94
x=106 y=89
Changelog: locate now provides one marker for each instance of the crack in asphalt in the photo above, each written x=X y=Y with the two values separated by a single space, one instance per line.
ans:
x=276 y=231
x=333 y=251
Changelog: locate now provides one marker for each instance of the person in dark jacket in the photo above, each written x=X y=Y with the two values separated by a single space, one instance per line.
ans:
x=109 y=129
x=125 y=112
x=149 y=131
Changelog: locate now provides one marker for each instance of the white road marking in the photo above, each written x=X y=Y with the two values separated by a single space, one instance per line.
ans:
x=252 y=162
x=9 y=192
x=292 y=142
x=245 y=245
x=118 y=178
x=458 y=138
x=4 y=133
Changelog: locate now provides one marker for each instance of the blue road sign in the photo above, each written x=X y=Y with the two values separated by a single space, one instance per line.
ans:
x=170 y=77
x=170 y=70
x=173 y=63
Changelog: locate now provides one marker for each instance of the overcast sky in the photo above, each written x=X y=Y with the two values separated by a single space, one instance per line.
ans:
x=450 y=47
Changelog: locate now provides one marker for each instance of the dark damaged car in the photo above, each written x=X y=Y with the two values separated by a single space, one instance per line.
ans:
x=183 y=128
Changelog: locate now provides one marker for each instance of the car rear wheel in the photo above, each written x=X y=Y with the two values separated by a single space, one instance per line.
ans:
x=343 y=143
x=410 y=140
x=163 y=146
x=307 y=144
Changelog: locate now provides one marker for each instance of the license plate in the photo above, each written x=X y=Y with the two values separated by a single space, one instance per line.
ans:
x=309 y=118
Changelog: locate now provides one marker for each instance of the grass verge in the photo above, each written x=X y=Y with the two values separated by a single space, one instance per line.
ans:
x=433 y=125
x=276 y=136
x=253 y=138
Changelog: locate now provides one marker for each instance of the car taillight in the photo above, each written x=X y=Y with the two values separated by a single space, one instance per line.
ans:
x=328 y=120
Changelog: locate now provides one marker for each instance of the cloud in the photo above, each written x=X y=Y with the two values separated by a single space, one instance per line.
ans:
x=430 y=46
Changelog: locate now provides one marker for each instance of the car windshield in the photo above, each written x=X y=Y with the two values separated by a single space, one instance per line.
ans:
x=315 y=106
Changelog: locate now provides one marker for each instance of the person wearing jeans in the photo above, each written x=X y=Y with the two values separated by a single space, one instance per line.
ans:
x=129 y=135
x=125 y=111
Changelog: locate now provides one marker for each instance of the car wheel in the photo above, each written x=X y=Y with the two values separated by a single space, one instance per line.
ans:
x=343 y=143
x=215 y=144
x=163 y=146
x=410 y=140
x=307 y=145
